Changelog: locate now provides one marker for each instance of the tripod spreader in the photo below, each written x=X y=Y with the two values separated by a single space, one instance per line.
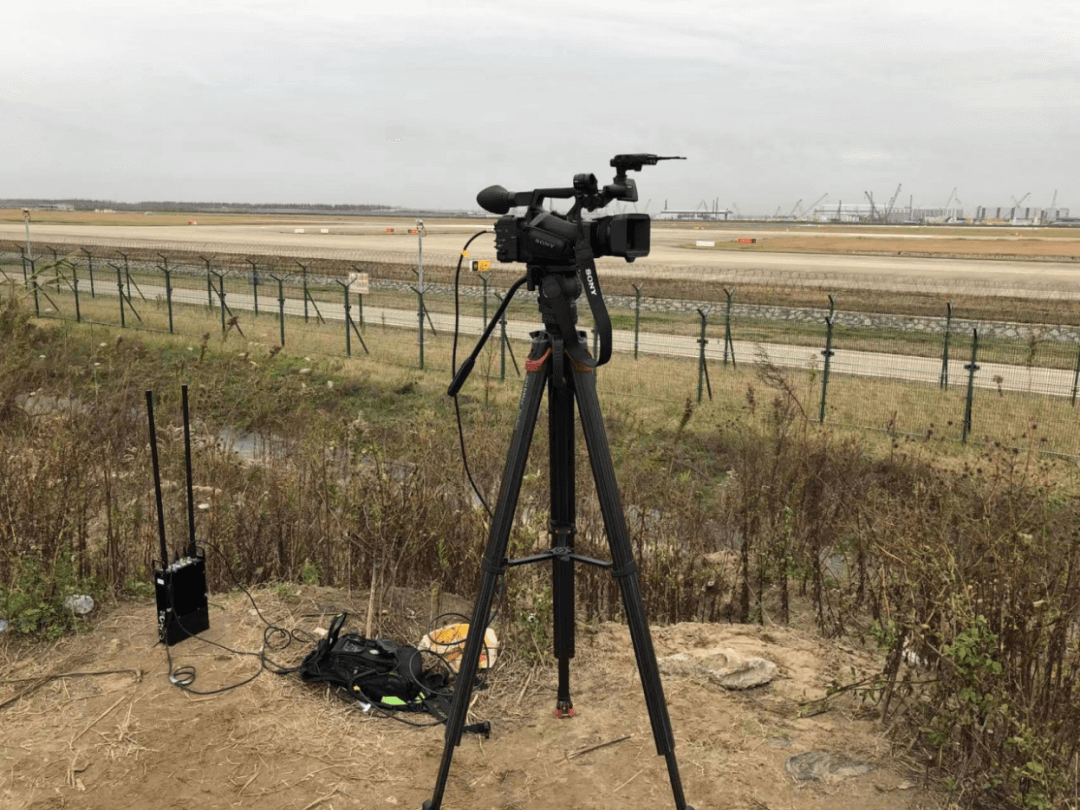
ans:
x=560 y=553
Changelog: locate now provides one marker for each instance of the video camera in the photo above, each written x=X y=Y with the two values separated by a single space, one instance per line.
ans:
x=547 y=238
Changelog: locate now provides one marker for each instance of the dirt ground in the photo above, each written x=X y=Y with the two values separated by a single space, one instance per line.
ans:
x=132 y=740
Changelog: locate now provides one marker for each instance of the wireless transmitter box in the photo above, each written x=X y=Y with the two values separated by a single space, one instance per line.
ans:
x=182 y=599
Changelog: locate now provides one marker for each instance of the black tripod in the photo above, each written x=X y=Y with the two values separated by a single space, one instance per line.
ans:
x=550 y=365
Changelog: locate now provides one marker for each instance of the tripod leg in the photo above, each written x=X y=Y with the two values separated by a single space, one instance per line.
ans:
x=494 y=556
x=561 y=435
x=625 y=571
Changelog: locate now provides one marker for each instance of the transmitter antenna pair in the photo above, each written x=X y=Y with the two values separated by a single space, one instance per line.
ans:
x=180 y=588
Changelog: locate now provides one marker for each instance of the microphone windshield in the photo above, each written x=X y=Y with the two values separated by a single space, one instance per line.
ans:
x=495 y=199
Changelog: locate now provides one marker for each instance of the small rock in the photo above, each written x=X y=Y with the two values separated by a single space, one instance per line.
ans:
x=320 y=632
x=779 y=742
x=821 y=765
x=727 y=669
x=905 y=785
x=80 y=604
x=330 y=384
x=3 y=625
x=305 y=371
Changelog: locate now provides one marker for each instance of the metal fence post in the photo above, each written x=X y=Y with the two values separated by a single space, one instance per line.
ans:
x=209 y=285
x=281 y=307
x=25 y=276
x=254 y=283
x=703 y=369
x=90 y=270
x=348 y=320
x=303 y=271
x=34 y=285
x=221 y=297
x=502 y=348
x=971 y=368
x=56 y=270
x=168 y=288
x=1076 y=377
x=484 y=282
x=637 y=317
x=120 y=293
x=943 y=380
x=828 y=353
x=127 y=274
x=75 y=289
x=420 y=322
x=729 y=346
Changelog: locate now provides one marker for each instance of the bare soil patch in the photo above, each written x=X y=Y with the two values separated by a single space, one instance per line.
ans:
x=129 y=741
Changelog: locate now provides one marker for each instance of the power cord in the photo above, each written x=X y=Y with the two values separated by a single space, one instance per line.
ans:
x=453 y=370
x=276 y=639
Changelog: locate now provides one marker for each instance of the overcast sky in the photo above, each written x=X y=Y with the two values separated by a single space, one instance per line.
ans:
x=424 y=103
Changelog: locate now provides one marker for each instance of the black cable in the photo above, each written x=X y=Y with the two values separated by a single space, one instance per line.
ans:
x=453 y=371
x=457 y=303
x=183 y=676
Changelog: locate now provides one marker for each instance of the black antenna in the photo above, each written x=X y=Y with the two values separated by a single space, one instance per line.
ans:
x=187 y=461
x=157 y=479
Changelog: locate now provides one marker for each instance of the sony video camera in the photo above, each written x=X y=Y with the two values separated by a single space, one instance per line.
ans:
x=547 y=238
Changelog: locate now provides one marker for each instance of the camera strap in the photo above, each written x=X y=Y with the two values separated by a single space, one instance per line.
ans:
x=590 y=280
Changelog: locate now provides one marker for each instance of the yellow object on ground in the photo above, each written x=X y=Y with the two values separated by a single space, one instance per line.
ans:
x=449 y=642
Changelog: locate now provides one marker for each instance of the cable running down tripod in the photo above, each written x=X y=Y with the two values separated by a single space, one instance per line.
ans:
x=558 y=251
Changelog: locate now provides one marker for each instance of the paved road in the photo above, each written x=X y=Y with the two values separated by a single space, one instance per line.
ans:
x=1035 y=380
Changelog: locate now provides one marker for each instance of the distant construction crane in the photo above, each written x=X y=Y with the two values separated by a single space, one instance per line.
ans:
x=795 y=208
x=1017 y=204
x=892 y=202
x=873 y=209
x=810 y=208
x=951 y=195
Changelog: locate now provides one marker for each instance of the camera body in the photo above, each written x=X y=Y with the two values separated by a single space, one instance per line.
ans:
x=547 y=238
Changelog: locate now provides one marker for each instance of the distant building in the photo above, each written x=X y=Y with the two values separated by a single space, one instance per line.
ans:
x=54 y=207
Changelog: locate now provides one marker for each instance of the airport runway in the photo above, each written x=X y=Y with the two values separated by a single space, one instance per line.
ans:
x=443 y=244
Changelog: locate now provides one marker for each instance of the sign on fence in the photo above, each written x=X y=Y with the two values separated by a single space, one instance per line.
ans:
x=360 y=283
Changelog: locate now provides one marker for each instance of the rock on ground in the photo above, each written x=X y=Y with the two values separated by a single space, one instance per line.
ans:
x=727 y=669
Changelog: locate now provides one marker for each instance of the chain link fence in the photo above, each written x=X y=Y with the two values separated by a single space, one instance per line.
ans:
x=920 y=358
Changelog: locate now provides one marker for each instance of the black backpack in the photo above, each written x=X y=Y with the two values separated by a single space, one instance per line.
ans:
x=380 y=673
